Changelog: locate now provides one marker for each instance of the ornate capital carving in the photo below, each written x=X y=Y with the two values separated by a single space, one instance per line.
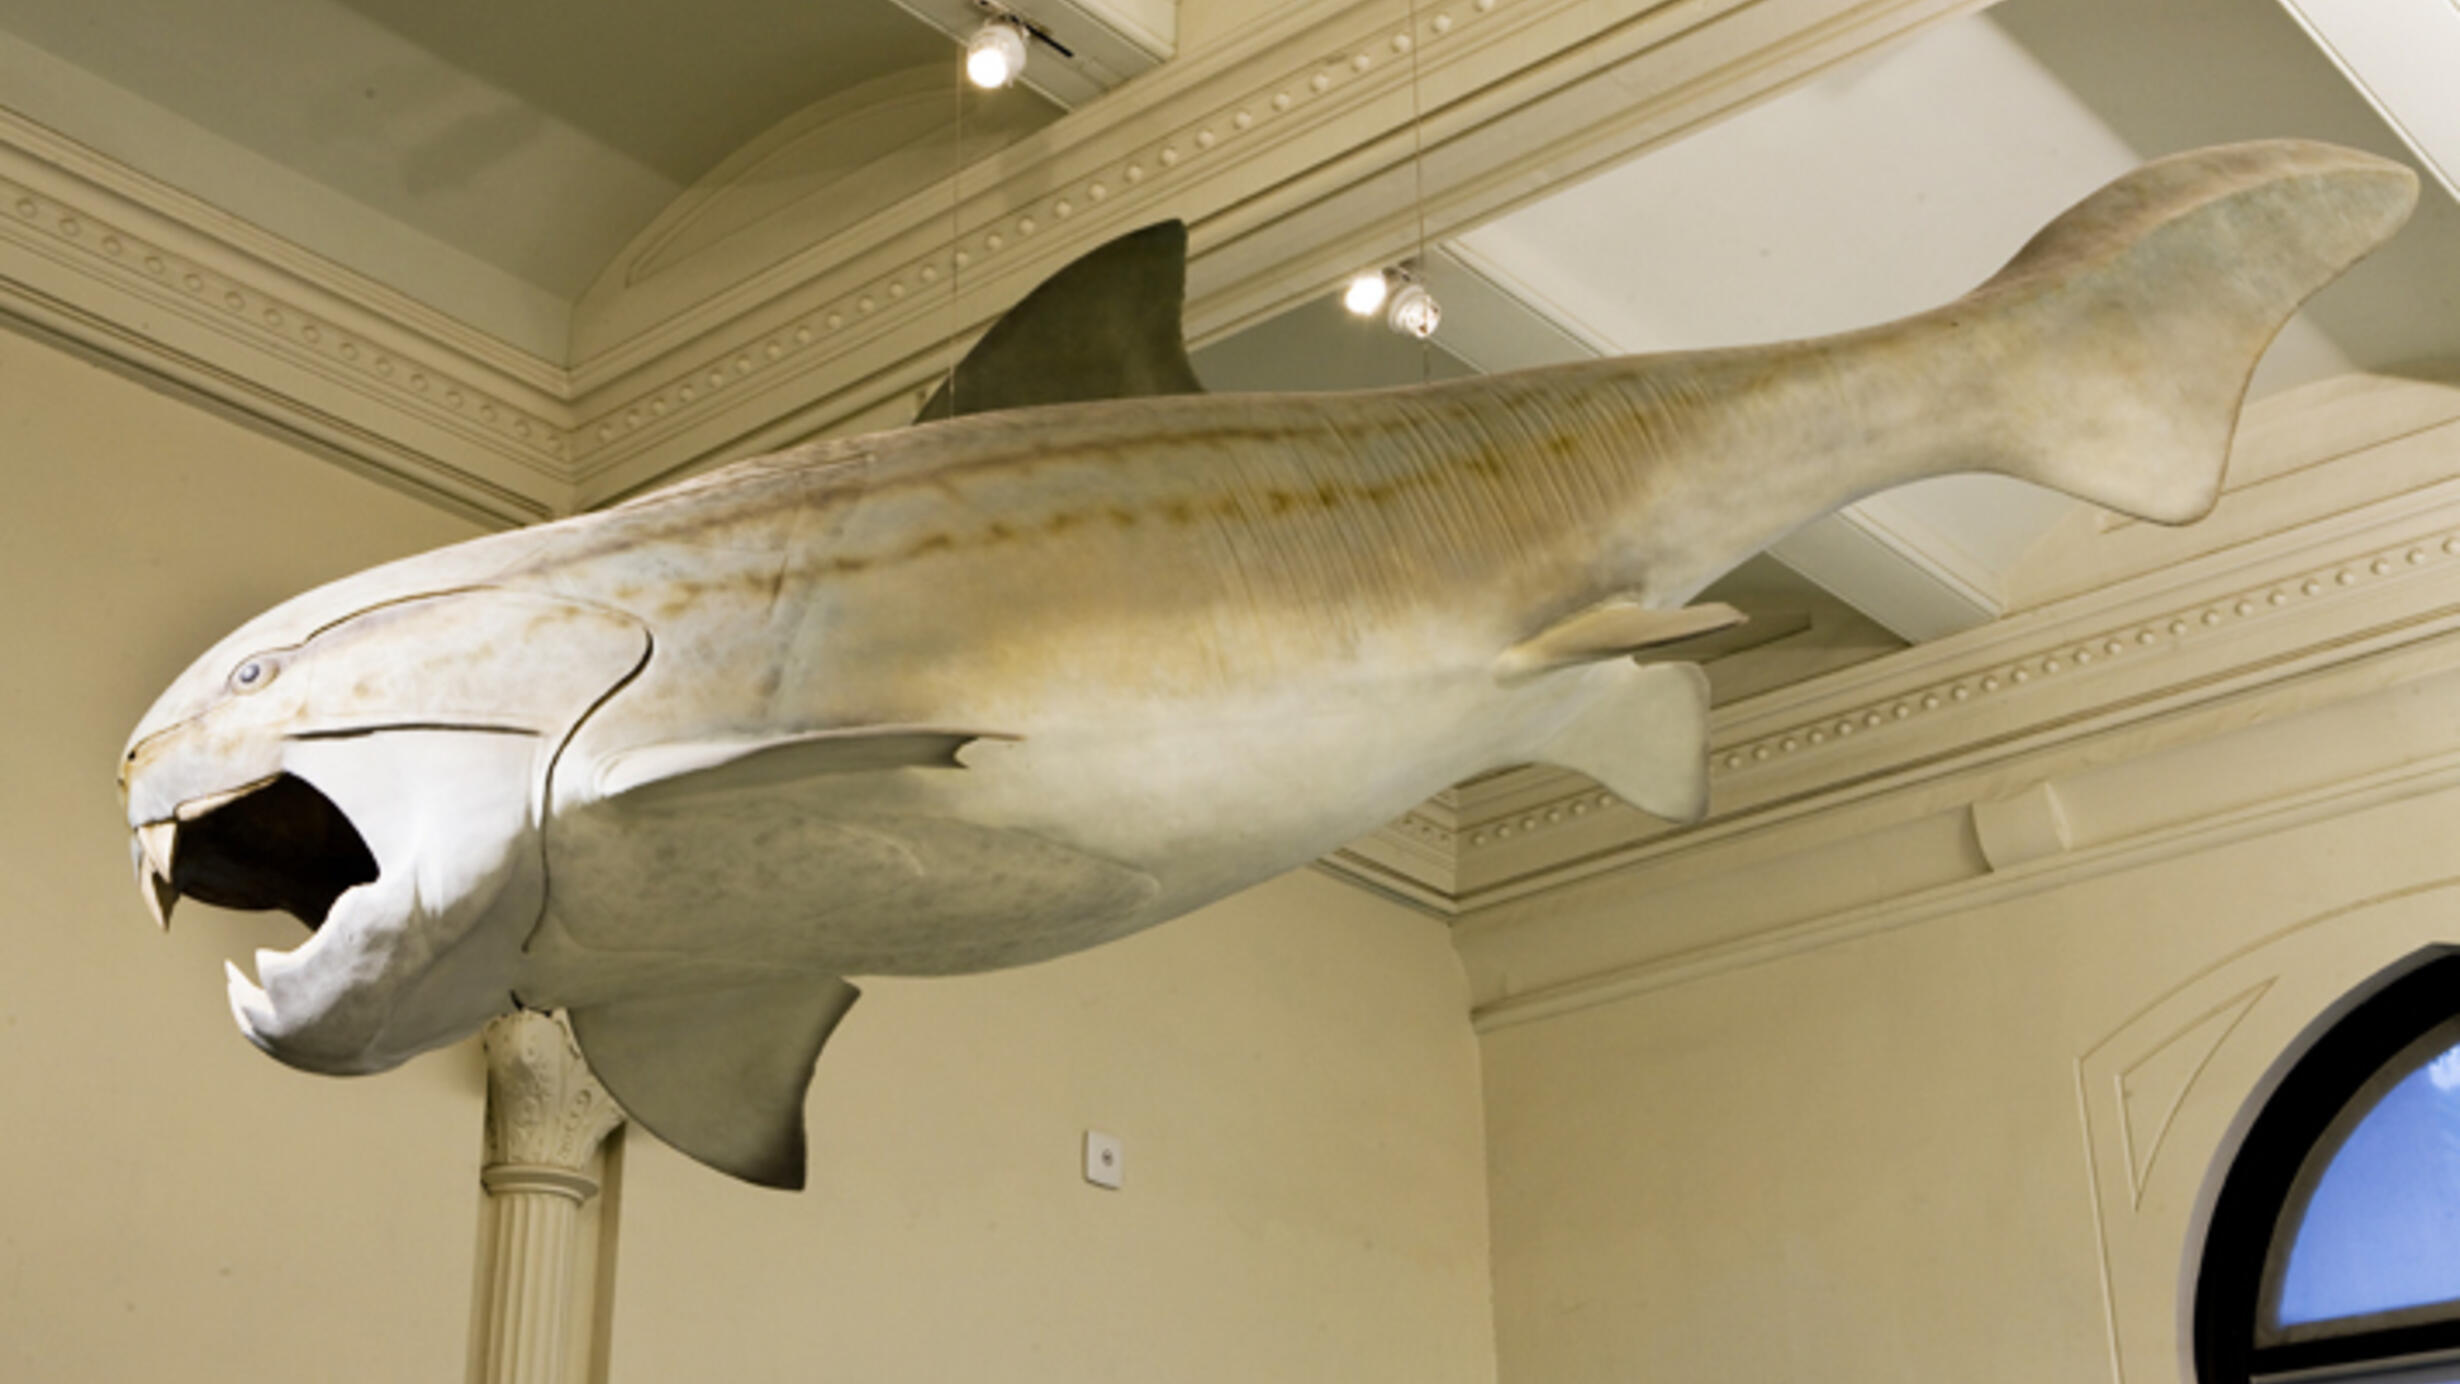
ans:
x=545 y=1112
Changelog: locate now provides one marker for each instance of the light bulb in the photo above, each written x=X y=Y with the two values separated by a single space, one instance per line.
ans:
x=1414 y=312
x=1365 y=295
x=995 y=54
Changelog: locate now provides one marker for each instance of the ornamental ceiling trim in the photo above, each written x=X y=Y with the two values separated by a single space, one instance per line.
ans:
x=157 y=282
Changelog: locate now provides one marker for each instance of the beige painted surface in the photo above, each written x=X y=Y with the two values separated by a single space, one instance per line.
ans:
x=1296 y=1084
x=1872 y=1160
x=175 y=1205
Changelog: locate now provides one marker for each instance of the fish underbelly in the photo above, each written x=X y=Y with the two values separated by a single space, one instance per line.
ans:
x=1037 y=847
x=779 y=880
x=1222 y=799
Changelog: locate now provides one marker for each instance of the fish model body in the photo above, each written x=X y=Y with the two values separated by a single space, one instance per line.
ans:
x=1011 y=684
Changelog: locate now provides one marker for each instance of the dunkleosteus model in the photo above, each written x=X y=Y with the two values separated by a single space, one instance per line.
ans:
x=1103 y=649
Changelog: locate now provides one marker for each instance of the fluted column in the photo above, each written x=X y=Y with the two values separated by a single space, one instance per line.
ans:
x=545 y=1117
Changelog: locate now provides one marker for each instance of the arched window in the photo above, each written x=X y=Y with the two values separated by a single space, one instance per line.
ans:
x=2334 y=1252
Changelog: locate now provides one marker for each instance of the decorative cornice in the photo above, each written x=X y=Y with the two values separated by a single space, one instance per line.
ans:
x=2008 y=693
x=2162 y=632
x=1410 y=860
x=281 y=324
x=143 y=274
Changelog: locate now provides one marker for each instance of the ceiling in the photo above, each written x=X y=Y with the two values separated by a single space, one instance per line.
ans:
x=492 y=161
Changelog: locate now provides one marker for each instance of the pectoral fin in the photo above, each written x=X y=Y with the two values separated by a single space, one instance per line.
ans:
x=1610 y=629
x=718 y=1074
x=688 y=767
x=1645 y=741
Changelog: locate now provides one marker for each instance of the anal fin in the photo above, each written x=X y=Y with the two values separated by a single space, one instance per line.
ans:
x=719 y=1074
x=1645 y=740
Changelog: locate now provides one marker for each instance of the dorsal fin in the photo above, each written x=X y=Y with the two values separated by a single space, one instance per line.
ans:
x=1105 y=327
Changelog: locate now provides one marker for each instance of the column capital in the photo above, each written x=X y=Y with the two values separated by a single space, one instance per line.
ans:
x=544 y=1109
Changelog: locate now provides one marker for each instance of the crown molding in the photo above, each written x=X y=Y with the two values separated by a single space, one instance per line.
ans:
x=140 y=274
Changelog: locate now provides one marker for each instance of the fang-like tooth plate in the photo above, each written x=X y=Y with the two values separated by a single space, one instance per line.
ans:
x=160 y=899
x=161 y=840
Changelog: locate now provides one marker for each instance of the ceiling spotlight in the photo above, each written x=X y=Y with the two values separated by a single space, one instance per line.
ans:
x=1414 y=311
x=995 y=54
x=1366 y=293
x=1396 y=295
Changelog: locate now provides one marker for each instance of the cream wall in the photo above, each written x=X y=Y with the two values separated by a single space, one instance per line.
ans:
x=1296 y=1083
x=175 y=1205
x=1292 y=1070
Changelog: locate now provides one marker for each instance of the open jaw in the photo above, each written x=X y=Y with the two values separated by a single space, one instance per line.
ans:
x=277 y=843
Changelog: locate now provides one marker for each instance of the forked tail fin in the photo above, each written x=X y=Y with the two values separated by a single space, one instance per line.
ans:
x=2129 y=327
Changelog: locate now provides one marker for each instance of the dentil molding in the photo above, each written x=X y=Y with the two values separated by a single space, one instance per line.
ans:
x=1331 y=134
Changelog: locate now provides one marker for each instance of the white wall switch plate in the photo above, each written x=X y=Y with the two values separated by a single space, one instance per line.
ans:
x=1105 y=1159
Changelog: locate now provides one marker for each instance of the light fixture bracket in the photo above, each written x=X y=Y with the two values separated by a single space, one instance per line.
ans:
x=994 y=13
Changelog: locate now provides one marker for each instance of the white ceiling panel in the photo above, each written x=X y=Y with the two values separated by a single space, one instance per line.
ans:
x=2404 y=55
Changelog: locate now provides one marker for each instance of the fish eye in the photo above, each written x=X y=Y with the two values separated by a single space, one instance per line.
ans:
x=251 y=675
